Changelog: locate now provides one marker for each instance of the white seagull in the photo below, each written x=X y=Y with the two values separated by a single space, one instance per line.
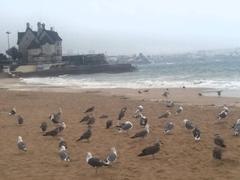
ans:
x=21 y=145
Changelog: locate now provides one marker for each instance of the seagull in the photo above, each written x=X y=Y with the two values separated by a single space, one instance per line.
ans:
x=140 y=108
x=91 y=121
x=85 y=119
x=62 y=143
x=165 y=115
x=86 y=135
x=94 y=162
x=43 y=126
x=62 y=126
x=20 y=119
x=236 y=128
x=12 y=112
x=196 y=134
x=122 y=113
x=188 y=124
x=151 y=150
x=112 y=156
x=222 y=115
x=168 y=127
x=21 y=145
x=55 y=117
x=169 y=104
x=179 y=110
x=225 y=108
x=218 y=140
x=126 y=126
x=143 y=120
x=143 y=133
x=63 y=154
x=56 y=131
x=91 y=109
x=165 y=94
x=108 y=124
x=139 y=111
x=217 y=153
x=52 y=133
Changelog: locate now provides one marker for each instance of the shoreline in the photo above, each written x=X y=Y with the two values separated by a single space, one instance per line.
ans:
x=178 y=95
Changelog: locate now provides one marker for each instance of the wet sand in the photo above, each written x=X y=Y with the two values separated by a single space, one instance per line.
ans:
x=180 y=156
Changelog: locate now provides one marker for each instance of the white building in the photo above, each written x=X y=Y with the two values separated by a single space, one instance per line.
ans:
x=41 y=46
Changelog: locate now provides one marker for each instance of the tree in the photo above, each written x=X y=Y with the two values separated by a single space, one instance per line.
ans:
x=3 y=57
x=13 y=52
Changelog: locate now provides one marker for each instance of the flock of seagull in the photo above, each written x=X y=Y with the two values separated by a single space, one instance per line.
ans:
x=126 y=126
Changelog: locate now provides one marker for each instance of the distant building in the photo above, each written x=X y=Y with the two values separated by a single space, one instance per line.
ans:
x=89 y=59
x=41 y=46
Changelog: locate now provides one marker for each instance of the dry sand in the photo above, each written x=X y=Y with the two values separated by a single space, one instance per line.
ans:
x=179 y=158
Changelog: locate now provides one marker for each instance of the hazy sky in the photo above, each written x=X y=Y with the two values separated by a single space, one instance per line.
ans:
x=128 y=26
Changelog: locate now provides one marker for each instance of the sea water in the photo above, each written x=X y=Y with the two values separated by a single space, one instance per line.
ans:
x=221 y=74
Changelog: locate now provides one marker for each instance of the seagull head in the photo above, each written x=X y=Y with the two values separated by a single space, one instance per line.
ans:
x=89 y=156
x=63 y=125
x=158 y=141
x=60 y=110
x=19 y=139
x=185 y=121
x=140 y=108
x=180 y=108
x=238 y=121
x=113 y=149
x=225 y=108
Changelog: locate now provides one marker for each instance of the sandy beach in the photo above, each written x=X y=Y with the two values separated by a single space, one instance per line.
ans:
x=180 y=156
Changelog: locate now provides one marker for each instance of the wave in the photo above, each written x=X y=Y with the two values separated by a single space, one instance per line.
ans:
x=71 y=81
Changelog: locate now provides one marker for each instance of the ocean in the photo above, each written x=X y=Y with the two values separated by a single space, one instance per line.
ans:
x=221 y=74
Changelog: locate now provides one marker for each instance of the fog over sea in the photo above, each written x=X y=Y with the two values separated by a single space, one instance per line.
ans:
x=223 y=74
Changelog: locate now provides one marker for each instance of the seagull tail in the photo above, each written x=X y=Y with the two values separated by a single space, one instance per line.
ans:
x=106 y=162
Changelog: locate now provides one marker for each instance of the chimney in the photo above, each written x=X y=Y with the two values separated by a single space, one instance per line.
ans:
x=43 y=26
x=39 y=26
x=51 y=28
x=27 y=25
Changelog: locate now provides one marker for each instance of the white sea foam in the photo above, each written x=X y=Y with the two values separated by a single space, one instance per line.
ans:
x=101 y=82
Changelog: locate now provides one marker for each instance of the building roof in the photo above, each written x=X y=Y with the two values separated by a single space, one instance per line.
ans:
x=54 y=37
x=45 y=40
x=21 y=34
x=34 y=45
